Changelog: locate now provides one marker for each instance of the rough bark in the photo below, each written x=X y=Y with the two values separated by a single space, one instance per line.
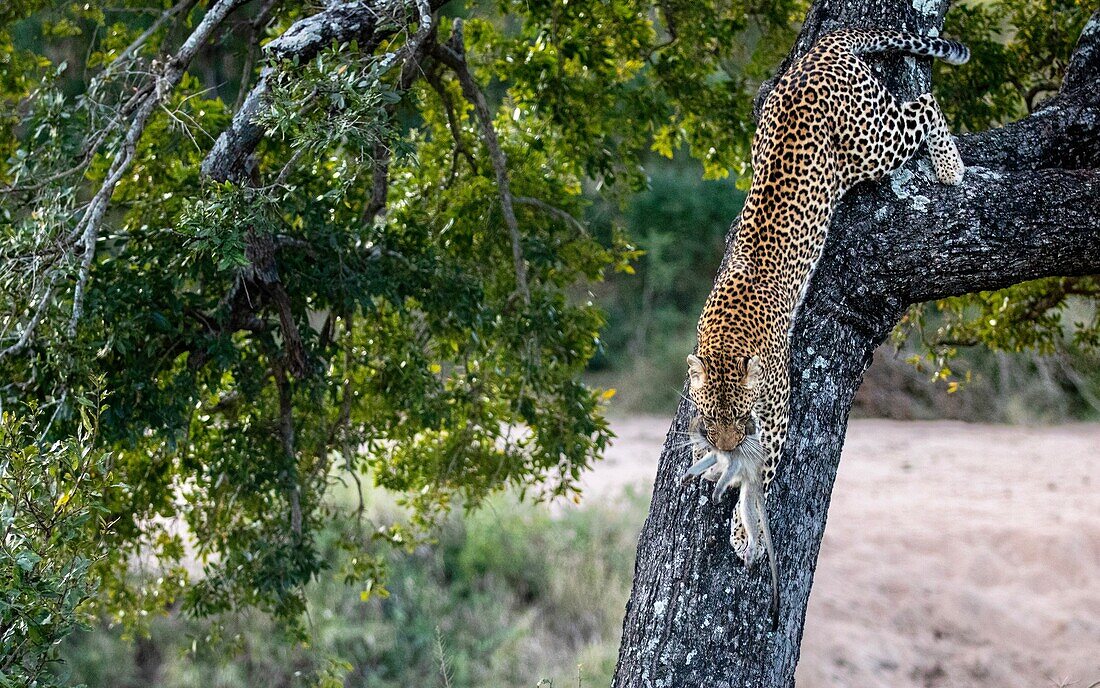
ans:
x=1028 y=207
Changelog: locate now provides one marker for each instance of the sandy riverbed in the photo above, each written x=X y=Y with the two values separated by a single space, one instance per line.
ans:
x=956 y=555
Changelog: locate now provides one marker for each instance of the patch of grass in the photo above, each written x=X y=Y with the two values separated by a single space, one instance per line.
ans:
x=506 y=596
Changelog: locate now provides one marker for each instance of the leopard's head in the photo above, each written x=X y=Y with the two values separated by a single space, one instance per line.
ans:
x=724 y=390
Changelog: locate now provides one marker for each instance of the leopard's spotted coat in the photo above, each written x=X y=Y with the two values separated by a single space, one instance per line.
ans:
x=828 y=125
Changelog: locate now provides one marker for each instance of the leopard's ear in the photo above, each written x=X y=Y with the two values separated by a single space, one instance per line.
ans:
x=753 y=373
x=696 y=371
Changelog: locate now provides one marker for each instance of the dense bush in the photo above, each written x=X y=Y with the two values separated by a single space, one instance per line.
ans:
x=51 y=526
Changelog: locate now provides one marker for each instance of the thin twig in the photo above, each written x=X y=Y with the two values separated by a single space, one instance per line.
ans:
x=444 y=672
x=39 y=311
x=85 y=159
x=553 y=210
x=452 y=123
x=453 y=54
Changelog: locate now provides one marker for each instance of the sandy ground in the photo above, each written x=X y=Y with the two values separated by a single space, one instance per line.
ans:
x=956 y=555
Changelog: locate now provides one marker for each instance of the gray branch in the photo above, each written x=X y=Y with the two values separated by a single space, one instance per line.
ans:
x=162 y=88
x=366 y=22
x=994 y=230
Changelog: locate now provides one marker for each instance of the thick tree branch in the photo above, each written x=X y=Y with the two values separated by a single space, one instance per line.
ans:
x=1064 y=133
x=993 y=230
x=230 y=158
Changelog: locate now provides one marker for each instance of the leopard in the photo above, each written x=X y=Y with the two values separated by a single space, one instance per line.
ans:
x=827 y=125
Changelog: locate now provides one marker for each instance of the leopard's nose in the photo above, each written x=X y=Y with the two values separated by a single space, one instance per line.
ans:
x=727 y=439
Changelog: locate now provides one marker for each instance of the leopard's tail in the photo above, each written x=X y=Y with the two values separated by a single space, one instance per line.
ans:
x=863 y=41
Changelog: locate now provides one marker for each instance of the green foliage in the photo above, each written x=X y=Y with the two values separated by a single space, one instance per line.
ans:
x=333 y=98
x=421 y=359
x=52 y=518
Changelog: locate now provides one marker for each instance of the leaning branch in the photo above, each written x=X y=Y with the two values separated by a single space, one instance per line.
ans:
x=231 y=156
x=555 y=211
x=365 y=22
x=162 y=88
x=144 y=102
x=1064 y=133
x=453 y=54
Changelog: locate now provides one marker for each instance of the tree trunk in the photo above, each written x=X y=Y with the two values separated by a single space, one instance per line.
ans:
x=1028 y=207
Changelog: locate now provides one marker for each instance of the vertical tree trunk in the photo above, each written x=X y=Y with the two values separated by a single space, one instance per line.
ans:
x=696 y=616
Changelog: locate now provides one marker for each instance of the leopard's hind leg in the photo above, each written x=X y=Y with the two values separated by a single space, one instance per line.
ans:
x=941 y=144
x=921 y=121
x=900 y=131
